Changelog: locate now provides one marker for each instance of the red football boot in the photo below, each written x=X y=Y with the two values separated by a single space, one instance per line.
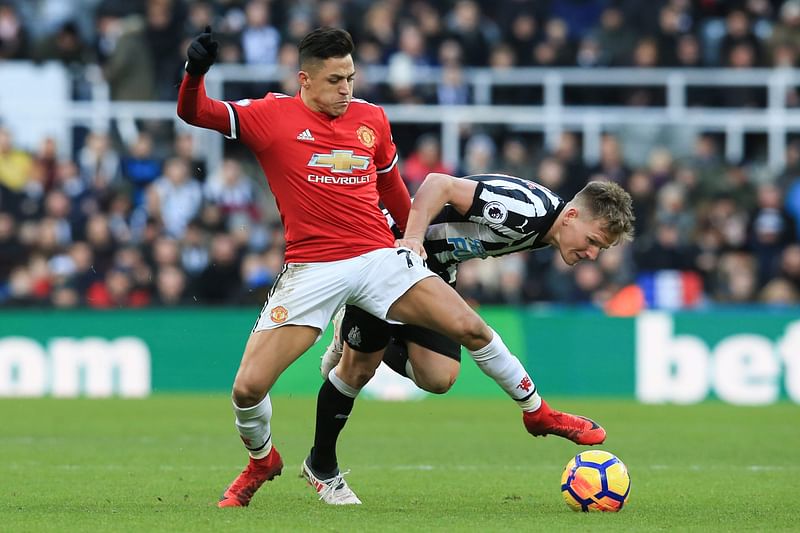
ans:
x=239 y=493
x=580 y=430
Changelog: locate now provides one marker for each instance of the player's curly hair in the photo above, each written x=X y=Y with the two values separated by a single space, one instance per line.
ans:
x=607 y=201
x=324 y=43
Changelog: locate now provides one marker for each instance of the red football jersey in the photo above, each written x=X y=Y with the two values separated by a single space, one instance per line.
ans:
x=327 y=174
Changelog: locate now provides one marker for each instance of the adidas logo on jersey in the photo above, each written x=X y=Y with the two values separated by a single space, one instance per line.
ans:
x=305 y=135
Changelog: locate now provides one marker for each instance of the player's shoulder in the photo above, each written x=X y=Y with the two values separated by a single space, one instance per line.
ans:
x=500 y=179
x=279 y=97
x=362 y=102
x=362 y=108
x=515 y=186
x=267 y=99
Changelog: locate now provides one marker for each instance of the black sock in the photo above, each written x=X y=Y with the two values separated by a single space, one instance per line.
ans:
x=396 y=356
x=333 y=408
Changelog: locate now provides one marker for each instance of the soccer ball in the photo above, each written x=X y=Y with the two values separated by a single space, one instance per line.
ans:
x=595 y=480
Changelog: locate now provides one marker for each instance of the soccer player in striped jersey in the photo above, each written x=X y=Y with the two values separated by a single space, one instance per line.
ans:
x=452 y=220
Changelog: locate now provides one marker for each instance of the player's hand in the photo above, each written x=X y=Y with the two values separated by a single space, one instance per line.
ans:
x=202 y=53
x=413 y=244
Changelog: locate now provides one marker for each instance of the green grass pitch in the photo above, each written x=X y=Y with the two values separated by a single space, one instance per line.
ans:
x=441 y=464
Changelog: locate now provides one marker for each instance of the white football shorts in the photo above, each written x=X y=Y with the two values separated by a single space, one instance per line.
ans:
x=308 y=294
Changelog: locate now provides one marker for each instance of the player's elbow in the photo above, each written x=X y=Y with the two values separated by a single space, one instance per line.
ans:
x=185 y=114
x=438 y=181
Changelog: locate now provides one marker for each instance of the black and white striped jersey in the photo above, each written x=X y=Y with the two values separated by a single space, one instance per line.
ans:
x=507 y=215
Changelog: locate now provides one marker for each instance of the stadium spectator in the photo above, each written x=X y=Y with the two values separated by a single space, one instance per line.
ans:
x=770 y=231
x=170 y=287
x=12 y=251
x=479 y=155
x=473 y=32
x=453 y=90
x=194 y=250
x=175 y=198
x=612 y=165
x=164 y=35
x=127 y=64
x=232 y=191
x=98 y=236
x=615 y=38
x=140 y=167
x=410 y=55
x=65 y=45
x=260 y=39
x=790 y=264
x=15 y=165
x=739 y=36
x=99 y=162
x=524 y=30
x=13 y=34
x=515 y=158
x=116 y=290
x=426 y=158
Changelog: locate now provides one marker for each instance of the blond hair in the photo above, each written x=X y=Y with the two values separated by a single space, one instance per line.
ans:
x=607 y=201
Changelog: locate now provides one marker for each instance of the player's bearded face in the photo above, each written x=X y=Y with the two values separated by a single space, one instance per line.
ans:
x=328 y=87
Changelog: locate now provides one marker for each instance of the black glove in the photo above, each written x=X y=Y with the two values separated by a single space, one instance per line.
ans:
x=202 y=53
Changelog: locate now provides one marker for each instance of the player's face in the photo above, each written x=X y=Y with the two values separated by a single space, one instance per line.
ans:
x=328 y=85
x=582 y=239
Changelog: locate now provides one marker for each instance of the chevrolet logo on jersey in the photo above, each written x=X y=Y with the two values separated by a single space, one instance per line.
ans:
x=340 y=161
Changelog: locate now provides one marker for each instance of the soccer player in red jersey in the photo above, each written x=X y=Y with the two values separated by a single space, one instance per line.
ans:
x=328 y=159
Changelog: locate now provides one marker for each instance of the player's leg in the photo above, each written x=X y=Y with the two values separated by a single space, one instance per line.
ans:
x=299 y=306
x=335 y=402
x=333 y=352
x=432 y=302
x=428 y=358
x=267 y=354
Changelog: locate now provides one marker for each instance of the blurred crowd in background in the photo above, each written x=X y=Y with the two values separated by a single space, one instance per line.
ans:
x=144 y=223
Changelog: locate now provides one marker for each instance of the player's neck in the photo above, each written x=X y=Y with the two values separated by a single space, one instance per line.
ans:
x=553 y=235
x=310 y=104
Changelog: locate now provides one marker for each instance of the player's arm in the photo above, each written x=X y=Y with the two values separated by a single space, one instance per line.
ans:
x=194 y=106
x=436 y=191
x=394 y=195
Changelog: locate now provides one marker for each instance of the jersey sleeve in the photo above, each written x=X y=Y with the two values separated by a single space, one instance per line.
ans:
x=521 y=208
x=246 y=120
x=385 y=152
x=391 y=188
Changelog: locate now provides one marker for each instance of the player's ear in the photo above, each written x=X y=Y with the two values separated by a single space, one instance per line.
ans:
x=303 y=79
x=570 y=213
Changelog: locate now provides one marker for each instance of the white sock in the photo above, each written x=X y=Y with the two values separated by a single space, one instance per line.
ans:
x=497 y=362
x=341 y=386
x=253 y=426
x=410 y=371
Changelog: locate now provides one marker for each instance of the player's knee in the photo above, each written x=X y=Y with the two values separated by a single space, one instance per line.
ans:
x=247 y=394
x=439 y=384
x=359 y=377
x=471 y=330
x=354 y=374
